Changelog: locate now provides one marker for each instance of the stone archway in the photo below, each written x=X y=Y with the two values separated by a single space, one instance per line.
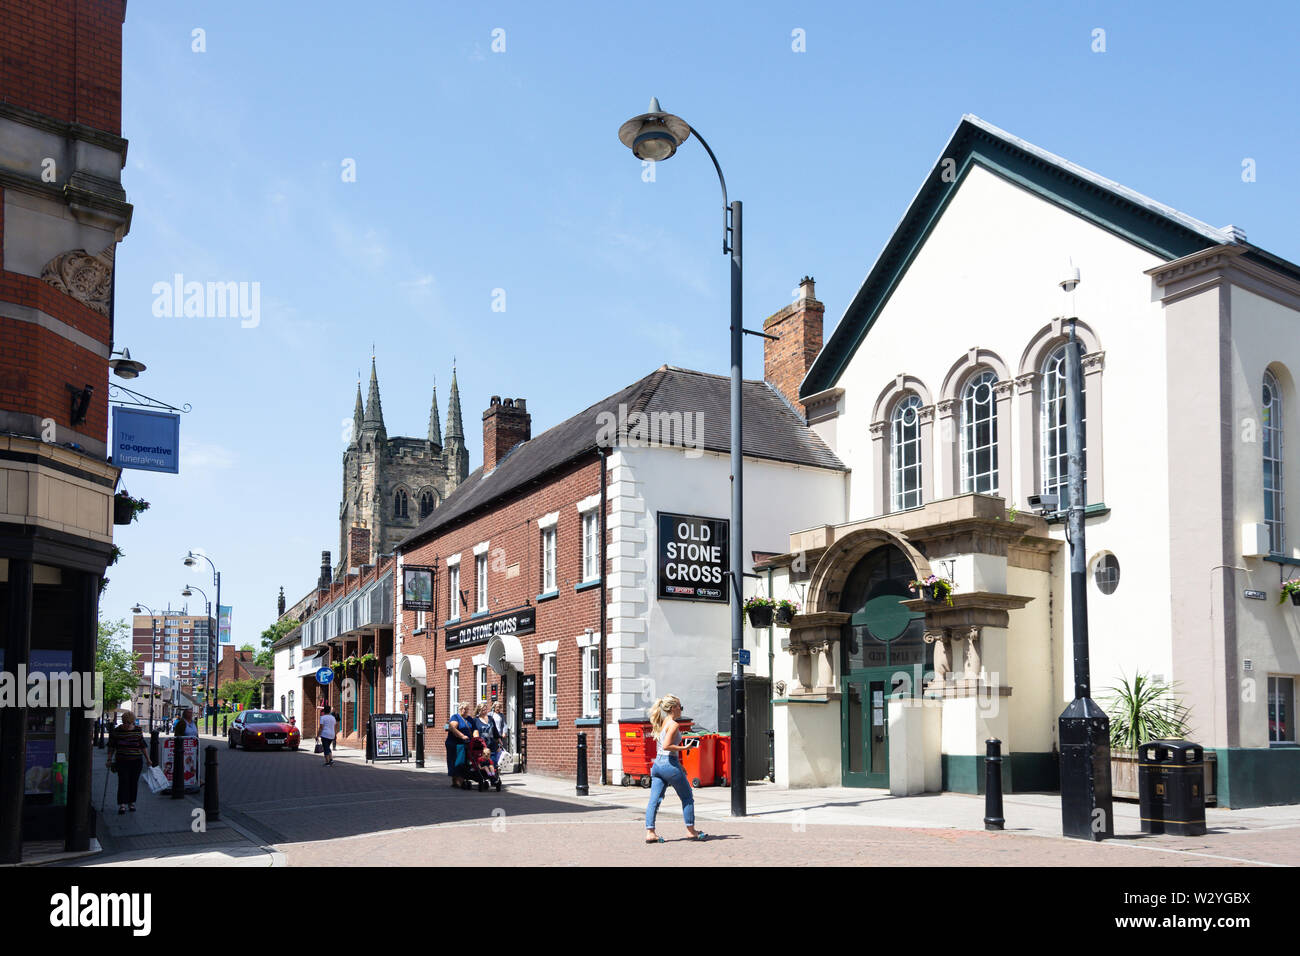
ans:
x=839 y=560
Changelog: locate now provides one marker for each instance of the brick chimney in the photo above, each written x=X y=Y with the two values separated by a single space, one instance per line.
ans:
x=326 y=575
x=358 y=547
x=506 y=423
x=798 y=328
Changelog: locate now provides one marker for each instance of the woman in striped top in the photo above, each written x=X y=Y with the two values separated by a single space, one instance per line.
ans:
x=127 y=754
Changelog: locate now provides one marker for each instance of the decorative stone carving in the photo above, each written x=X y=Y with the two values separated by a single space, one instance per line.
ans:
x=1002 y=390
x=941 y=660
x=87 y=278
x=972 y=663
x=1093 y=362
x=877 y=429
x=926 y=414
x=1025 y=383
x=946 y=407
x=812 y=642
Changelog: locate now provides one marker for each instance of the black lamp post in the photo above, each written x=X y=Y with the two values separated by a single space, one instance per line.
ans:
x=191 y=562
x=655 y=136
x=188 y=591
x=153 y=650
x=1086 y=808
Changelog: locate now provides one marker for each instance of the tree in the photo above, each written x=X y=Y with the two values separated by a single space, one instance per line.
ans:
x=247 y=691
x=115 y=662
x=269 y=636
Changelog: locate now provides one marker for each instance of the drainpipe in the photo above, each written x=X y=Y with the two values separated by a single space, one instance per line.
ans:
x=604 y=605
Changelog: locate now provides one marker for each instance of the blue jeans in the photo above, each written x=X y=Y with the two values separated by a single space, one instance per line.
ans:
x=666 y=772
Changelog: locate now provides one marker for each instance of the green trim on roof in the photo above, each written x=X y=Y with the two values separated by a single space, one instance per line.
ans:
x=971 y=146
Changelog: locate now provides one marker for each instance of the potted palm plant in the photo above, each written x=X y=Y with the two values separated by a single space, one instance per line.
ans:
x=1140 y=710
x=760 y=611
x=785 y=612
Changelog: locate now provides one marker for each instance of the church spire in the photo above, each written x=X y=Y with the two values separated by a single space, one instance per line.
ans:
x=374 y=410
x=435 y=423
x=357 y=417
x=455 y=428
x=455 y=455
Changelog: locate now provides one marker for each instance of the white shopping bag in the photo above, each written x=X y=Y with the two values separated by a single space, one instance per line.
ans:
x=155 y=779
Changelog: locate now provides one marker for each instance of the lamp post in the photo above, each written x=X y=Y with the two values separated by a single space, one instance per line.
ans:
x=188 y=591
x=153 y=650
x=655 y=136
x=192 y=562
x=1086 y=807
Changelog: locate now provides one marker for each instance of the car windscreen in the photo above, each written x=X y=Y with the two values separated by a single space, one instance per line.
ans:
x=264 y=717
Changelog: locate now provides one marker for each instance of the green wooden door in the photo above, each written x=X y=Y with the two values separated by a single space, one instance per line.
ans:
x=865 y=727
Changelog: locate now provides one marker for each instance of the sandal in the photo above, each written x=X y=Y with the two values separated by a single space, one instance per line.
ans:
x=655 y=840
x=700 y=836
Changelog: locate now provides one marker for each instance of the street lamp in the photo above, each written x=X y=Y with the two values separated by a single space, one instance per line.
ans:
x=191 y=561
x=655 y=136
x=188 y=591
x=153 y=648
x=1086 y=807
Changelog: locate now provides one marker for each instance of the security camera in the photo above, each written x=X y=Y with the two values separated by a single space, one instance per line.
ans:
x=1071 y=279
x=1045 y=504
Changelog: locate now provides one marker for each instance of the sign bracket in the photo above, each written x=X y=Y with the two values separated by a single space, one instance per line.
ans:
x=141 y=400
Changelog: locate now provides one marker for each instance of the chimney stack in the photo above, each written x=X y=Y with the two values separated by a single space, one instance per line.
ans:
x=798 y=328
x=358 y=547
x=505 y=425
x=326 y=576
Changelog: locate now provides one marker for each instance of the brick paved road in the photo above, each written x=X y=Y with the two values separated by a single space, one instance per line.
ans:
x=358 y=814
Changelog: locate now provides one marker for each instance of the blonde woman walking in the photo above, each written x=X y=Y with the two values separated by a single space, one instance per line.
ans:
x=667 y=770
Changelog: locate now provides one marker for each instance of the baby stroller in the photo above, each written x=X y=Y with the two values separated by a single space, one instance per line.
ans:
x=479 y=767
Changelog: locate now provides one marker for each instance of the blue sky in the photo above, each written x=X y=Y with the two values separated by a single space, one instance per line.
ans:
x=479 y=170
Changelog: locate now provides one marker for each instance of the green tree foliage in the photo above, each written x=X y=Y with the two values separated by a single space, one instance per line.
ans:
x=115 y=662
x=247 y=692
x=269 y=636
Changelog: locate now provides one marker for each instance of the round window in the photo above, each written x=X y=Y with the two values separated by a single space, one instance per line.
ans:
x=1105 y=571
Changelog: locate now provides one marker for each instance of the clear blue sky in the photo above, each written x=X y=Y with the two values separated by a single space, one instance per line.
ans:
x=478 y=170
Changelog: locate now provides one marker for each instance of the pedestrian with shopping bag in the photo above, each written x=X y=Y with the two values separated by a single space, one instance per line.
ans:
x=666 y=771
x=127 y=756
x=328 y=731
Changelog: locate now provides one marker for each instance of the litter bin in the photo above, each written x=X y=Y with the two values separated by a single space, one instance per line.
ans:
x=1171 y=787
x=638 y=748
x=698 y=760
x=722 y=758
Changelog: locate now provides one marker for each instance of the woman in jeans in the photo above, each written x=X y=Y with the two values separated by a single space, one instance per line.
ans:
x=667 y=770
x=127 y=754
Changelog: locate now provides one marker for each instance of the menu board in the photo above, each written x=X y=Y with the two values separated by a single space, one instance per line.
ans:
x=190 y=759
x=529 y=695
x=387 y=738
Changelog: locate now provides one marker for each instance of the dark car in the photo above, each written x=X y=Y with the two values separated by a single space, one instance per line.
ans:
x=263 y=729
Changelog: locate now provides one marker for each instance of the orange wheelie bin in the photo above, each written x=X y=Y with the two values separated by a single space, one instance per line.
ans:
x=638 y=749
x=698 y=760
x=722 y=758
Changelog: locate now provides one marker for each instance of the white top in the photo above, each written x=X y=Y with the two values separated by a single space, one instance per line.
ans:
x=327 y=725
x=664 y=741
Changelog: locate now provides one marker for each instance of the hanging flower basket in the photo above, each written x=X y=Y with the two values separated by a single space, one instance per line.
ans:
x=760 y=611
x=126 y=509
x=785 y=612
x=1292 y=589
x=934 y=588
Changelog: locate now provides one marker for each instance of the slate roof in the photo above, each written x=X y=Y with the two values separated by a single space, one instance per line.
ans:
x=773 y=430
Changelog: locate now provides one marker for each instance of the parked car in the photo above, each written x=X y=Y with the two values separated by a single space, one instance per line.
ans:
x=263 y=729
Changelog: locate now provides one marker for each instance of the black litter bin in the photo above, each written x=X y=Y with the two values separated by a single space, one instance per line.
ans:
x=1171 y=787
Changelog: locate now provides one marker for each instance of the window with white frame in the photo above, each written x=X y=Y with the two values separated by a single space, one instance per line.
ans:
x=453 y=690
x=1281 y=710
x=591 y=681
x=480 y=683
x=453 y=591
x=905 y=454
x=1272 y=427
x=548 y=559
x=590 y=546
x=419 y=620
x=1053 y=434
x=979 y=435
x=550 y=687
x=481 y=581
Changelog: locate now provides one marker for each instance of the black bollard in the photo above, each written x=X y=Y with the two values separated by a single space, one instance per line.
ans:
x=153 y=746
x=419 y=746
x=178 y=763
x=211 y=796
x=993 y=785
x=223 y=724
x=582 y=765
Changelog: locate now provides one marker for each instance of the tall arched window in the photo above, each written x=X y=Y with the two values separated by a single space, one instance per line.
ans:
x=905 y=454
x=1056 y=449
x=426 y=504
x=1272 y=422
x=399 y=503
x=979 y=435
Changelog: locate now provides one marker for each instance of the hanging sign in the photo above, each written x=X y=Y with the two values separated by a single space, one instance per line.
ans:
x=146 y=440
x=417 y=588
x=223 y=624
x=694 y=556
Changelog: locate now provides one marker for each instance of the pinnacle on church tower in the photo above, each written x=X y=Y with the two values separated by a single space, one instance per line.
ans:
x=358 y=416
x=454 y=453
x=435 y=424
x=455 y=429
x=374 y=410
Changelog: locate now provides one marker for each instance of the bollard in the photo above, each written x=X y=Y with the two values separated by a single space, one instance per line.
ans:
x=211 y=795
x=153 y=746
x=582 y=765
x=993 y=785
x=178 y=763
x=223 y=721
x=419 y=747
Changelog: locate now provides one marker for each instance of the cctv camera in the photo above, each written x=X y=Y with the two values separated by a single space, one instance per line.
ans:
x=1046 y=504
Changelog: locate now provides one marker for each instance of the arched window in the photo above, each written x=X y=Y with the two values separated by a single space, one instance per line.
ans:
x=905 y=454
x=1056 y=449
x=400 y=504
x=979 y=435
x=426 y=504
x=1272 y=422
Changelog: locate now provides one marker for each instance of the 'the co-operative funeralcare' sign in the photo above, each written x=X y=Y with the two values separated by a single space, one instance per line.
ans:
x=520 y=621
x=147 y=440
x=694 y=556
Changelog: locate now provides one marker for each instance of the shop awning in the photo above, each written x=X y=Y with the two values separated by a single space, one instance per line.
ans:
x=412 y=670
x=504 y=651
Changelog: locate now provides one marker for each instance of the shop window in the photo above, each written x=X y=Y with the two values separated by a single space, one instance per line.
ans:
x=1281 y=710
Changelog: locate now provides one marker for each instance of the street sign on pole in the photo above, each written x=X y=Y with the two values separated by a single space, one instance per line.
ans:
x=744 y=657
x=324 y=675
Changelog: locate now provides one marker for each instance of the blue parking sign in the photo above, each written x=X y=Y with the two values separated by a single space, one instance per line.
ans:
x=324 y=675
x=744 y=657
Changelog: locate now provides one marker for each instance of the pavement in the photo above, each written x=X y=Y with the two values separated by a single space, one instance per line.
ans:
x=288 y=809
